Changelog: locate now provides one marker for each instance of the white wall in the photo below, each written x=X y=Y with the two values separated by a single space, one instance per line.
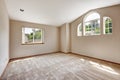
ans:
x=106 y=47
x=65 y=38
x=4 y=36
x=51 y=40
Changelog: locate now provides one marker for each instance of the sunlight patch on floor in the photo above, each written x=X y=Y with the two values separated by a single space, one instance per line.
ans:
x=104 y=68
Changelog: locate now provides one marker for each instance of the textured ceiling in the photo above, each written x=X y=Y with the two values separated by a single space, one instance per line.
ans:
x=53 y=12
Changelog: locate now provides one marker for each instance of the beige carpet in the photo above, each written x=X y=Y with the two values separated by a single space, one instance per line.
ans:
x=60 y=66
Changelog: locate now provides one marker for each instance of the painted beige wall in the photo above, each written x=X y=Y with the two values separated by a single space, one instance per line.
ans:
x=65 y=38
x=51 y=40
x=4 y=36
x=106 y=47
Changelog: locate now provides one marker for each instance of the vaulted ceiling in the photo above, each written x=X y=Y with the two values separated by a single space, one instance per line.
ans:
x=53 y=12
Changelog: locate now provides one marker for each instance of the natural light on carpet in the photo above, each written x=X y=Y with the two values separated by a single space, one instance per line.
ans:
x=104 y=68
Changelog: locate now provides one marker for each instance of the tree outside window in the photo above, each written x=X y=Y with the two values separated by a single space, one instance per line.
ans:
x=31 y=35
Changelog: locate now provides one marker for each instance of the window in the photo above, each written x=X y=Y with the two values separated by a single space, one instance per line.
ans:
x=32 y=35
x=107 y=25
x=92 y=24
x=79 y=30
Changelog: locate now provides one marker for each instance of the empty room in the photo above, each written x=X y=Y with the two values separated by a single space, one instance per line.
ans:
x=59 y=40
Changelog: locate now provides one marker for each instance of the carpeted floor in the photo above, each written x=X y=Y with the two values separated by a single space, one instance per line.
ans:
x=60 y=66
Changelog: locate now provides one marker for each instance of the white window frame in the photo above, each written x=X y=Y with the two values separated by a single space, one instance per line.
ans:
x=104 y=26
x=79 y=33
x=23 y=36
x=84 y=27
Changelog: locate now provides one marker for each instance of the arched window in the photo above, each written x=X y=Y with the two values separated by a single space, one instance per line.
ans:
x=92 y=24
x=107 y=25
x=79 y=30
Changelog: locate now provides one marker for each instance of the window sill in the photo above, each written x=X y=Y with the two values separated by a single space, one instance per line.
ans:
x=31 y=43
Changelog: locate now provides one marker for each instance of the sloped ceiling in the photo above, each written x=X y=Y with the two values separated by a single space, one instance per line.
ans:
x=53 y=12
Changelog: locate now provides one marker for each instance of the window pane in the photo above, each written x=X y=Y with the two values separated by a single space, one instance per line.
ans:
x=92 y=24
x=92 y=16
x=108 y=25
x=27 y=35
x=110 y=30
x=79 y=30
x=31 y=35
x=38 y=36
x=97 y=27
x=107 y=31
x=92 y=27
x=87 y=28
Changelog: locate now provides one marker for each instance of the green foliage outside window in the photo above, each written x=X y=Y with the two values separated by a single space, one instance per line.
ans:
x=32 y=35
x=38 y=34
x=108 y=26
x=92 y=27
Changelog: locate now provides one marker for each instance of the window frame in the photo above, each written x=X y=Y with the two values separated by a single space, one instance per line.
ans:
x=104 y=25
x=80 y=32
x=33 y=43
x=84 y=27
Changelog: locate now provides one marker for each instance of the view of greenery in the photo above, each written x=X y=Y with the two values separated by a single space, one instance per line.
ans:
x=33 y=35
x=108 y=26
x=36 y=35
x=30 y=36
x=92 y=27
